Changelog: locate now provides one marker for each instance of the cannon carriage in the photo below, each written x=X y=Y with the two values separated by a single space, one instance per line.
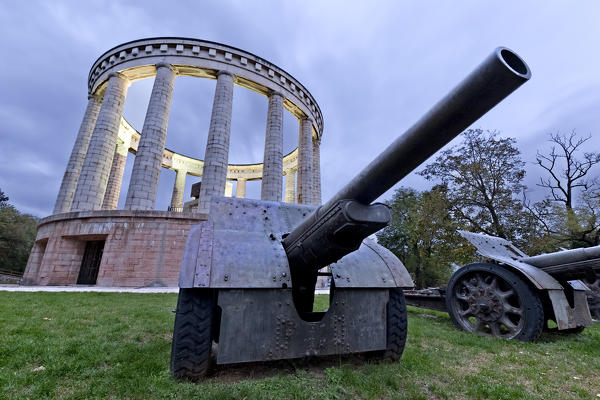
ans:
x=248 y=275
x=514 y=296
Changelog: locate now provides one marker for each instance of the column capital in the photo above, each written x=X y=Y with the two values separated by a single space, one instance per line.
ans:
x=118 y=75
x=95 y=96
x=163 y=64
x=224 y=72
x=122 y=148
x=121 y=77
x=275 y=93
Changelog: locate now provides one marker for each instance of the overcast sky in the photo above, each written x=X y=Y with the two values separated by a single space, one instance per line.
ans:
x=373 y=67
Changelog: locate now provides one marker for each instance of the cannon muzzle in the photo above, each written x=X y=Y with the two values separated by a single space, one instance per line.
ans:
x=339 y=226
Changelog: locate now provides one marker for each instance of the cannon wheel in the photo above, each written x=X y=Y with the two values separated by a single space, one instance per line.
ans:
x=192 y=334
x=490 y=300
x=396 y=325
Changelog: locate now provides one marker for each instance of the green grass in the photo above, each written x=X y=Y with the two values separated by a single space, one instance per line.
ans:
x=116 y=345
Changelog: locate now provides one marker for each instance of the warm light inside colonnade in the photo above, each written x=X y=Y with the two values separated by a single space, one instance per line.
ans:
x=94 y=176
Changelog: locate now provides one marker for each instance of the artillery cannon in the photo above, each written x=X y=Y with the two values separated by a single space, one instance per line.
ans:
x=248 y=274
x=514 y=296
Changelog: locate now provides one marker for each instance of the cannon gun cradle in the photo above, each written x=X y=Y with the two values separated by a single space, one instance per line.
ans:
x=248 y=273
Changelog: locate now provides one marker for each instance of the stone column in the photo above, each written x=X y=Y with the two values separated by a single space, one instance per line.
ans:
x=143 y=185
x=113 y=188
x=304 y=190
x=71 y=176
x=228 y=189
x=216 y=155
x=91 y=186
x=273 y=158
x=240 y=189
x=178 y=189
x=316 y=171
x=290 y=186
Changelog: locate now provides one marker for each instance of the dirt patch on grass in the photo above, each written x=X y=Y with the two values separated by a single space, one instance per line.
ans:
x=474 y=365
x=144 y=338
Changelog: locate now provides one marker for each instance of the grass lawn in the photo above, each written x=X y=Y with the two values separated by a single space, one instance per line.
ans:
x=117 y=345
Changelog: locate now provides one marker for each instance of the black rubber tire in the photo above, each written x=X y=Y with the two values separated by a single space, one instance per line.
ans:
x=532 y=320
x=192 y=334
x=397 y=325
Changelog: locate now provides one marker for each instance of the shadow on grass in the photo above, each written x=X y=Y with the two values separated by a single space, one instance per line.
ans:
x=228 y=373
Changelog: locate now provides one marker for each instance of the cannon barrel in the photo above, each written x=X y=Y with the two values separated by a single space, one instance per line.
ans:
x=339 y=226
x=564 y=257
x=568 y=264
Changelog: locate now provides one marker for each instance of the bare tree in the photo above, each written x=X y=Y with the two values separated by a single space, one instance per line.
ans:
x=570 y=212
x=567 y=169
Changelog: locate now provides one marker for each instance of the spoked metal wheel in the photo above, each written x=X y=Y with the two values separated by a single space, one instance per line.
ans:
x=490 y=300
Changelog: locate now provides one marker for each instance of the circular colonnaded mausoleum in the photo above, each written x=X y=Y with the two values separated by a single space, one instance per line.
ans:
x=87 y=240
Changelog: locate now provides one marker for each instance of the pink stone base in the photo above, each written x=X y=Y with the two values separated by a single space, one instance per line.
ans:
x=143 y=248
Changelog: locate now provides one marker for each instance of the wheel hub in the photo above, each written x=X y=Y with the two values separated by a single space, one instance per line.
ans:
x=486 y=306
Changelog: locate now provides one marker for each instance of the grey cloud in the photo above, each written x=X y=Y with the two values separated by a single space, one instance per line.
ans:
x=373 y=67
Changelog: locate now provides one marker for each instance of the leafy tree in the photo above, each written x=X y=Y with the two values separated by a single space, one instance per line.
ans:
x=423 y=235
x=483 y=176
x=3 y=199
x=396 y=236
x=17 y=234
x=570 y=212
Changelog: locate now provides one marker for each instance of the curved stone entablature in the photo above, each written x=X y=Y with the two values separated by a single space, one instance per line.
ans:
x=200 y=58
x=193 y=166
